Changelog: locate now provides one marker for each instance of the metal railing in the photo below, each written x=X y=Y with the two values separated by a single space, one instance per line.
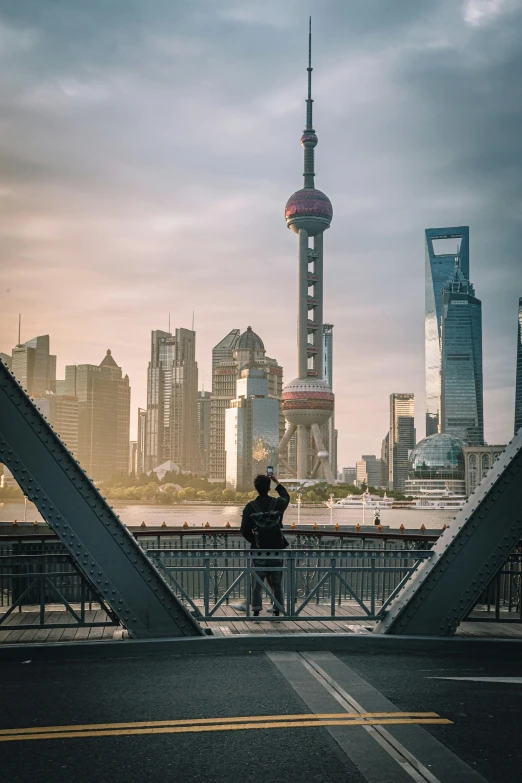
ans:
x=345 y=584
x=38 y=580
x=325 y=574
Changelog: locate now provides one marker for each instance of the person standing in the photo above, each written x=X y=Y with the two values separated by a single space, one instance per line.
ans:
x=261 y=526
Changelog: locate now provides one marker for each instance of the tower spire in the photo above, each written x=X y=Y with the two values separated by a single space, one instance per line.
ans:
x=309 y=139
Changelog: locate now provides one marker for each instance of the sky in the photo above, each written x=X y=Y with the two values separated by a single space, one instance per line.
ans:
x=147 y=150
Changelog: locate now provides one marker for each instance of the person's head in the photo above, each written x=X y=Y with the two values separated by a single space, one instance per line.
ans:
x=262 y=484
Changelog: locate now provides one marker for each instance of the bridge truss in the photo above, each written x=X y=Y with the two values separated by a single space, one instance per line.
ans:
x=103 y=550
x=466 y=557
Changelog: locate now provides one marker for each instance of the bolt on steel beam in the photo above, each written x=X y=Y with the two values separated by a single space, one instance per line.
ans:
x=466 y=557
x=105 y=552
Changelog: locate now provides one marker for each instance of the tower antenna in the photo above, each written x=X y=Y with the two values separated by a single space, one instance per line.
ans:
x=309 y=101
x=19 y=327
x=169 y=321
x=193 y=320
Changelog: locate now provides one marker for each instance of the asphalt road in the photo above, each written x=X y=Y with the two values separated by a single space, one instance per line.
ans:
x=486 y=718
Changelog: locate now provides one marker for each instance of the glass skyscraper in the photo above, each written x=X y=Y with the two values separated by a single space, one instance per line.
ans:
x=439 y=269
x=518 y=391
x=401 y=438
x=462 y=408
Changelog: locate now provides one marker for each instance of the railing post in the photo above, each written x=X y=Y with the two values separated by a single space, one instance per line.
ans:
x=332 y=585
x=247 y=585
x=372 y=588
x=42 y=598
x=206 y=586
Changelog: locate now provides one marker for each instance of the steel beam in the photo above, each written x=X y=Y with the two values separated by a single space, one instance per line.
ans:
x=105 y=552
x=466 y=557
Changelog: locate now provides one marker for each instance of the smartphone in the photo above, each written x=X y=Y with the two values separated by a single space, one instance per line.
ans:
x=270 y=471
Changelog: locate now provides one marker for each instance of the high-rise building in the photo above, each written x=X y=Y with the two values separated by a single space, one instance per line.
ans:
x=478 y=461
x=141 y=452
x=204 y=432
x=368 y=471
x=34 y=367
x=348 y=475
x=103 y=394
x=172 y=400
x=461 y=398
x=518 y=390
x=133 y=456
x=251 y=430
x=308 y=401
x=62 y=412
x=401 y=439
x=438 y=270
x=385 y=460
x=237 y=351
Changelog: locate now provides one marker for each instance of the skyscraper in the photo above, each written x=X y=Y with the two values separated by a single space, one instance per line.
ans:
x=172 y=399
x=62 y=412
x=34 y=367
x=401 y=439
x=229 y=358
x=251 y=430
x=141 y=450
x=438 y=270
x=308 y=401
x=103 y=394
x=518 y=390
x=461 y=398
x=204 y=432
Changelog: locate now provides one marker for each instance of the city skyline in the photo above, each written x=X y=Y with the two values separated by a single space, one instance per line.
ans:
x=91 y=229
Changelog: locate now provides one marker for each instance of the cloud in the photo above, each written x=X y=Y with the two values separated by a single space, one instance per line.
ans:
x=148 y=151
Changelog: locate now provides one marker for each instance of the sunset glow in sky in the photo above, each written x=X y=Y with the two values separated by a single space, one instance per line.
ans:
x=148 y=149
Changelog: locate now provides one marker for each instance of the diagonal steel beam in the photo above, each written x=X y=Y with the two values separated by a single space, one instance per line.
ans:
x=101 y=546
x=466 y=557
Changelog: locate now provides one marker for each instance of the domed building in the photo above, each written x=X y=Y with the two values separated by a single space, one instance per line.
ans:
x=436 y=465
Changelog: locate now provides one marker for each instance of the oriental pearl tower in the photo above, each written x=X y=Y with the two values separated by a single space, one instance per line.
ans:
x=308 y=401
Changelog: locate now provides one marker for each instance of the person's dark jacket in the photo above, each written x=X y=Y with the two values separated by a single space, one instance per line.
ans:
x=263 y=502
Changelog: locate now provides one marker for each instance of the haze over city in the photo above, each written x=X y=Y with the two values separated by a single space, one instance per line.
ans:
x=148 y=151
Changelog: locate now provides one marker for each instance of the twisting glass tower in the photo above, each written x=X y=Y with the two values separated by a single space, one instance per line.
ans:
x=308 y=401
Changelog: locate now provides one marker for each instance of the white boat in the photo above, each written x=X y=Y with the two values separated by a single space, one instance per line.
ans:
x=438 y=500
x=365 y=501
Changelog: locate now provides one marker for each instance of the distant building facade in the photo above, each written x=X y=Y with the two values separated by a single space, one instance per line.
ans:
x=368 y=471
x=63 y=413
x=141 y=451
x=34 y=366
x=438 y=270
x=385 y=453
x=103 y=394
x=204 y=432
x=478 y=461
x=436 y=467
x=234 y=353
x=251 y=430
x=461 y=397
x=348 y=475
x=172 y=399
x=518 y=389
x=401 y=438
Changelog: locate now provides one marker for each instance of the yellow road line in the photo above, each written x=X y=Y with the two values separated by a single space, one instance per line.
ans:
x=226 y=727
x=203 y=721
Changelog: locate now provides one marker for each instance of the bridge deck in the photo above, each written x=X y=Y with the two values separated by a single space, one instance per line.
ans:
x=14 y=631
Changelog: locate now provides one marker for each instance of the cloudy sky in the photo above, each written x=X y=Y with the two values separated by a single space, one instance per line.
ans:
x=147 y=149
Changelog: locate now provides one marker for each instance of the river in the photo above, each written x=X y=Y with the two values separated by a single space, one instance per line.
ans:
x=218 y=516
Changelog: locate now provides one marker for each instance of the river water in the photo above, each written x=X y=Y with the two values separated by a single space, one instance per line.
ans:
x=218 y=516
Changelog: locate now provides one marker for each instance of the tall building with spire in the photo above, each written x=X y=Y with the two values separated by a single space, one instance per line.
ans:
x=308 y=401
x=34 y=366
x=438 y=270
x=172 y=400
x=461 y=396
x=518 y=390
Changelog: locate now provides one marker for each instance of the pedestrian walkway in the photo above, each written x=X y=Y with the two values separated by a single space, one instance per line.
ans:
x=231 y=622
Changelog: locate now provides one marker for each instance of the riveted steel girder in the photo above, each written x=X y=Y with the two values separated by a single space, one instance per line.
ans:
x=103 y=549
x=466 y=557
